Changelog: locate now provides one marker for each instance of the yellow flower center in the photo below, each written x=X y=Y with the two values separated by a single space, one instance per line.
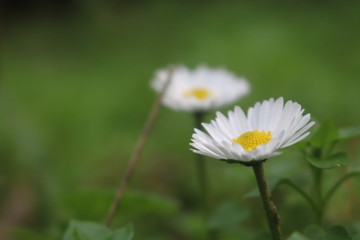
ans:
x=199 y=93
x=250 y=140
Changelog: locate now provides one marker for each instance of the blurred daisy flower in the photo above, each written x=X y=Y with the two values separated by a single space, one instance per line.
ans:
x=201 y=89
x=268 y=127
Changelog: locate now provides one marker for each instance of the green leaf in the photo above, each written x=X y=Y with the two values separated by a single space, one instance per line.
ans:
x=346 y=133
x=79 y=230
x=86 y=231
x=325 y=135
x=125 y=233
x=335 y=160
x=338 y=233
x=297 y=236
x=315 y=233
x=227 y=215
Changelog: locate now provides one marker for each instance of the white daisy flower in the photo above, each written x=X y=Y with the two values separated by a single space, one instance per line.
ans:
x=200 y=90
x=268 y=127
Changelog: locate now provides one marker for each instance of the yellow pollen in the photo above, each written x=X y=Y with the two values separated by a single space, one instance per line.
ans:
x=250 y=140
x=199 y=93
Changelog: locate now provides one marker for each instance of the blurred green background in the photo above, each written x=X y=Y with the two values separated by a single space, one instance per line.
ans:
x=75 y=94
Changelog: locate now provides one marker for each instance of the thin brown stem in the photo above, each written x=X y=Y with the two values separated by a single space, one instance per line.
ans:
x=137 y=151
x=269 y=206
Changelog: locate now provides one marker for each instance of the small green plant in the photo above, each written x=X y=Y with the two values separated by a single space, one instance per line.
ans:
x=322 y=152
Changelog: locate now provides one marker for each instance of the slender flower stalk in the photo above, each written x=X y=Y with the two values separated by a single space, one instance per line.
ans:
x=272 y=215
x=323 y=199
x=318 y=177
x=336 y=186
x=201 y=171
x=302 y=193
x=138 y=150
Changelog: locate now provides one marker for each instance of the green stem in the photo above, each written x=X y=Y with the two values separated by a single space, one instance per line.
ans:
x=269 y=206
x=201 y=174
x=302 y=193
x=199 y=117
x=318 y=184
x=201 y=168
x=202 y=177
x=317 y=190
x=337 y=185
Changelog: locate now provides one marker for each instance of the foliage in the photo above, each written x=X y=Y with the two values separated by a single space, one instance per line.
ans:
x=93 y=231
